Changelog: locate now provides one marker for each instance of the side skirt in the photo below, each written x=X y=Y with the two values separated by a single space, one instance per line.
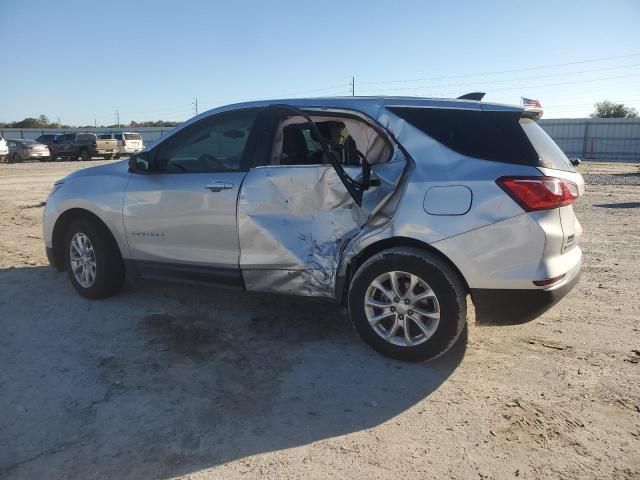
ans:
x=184 y=273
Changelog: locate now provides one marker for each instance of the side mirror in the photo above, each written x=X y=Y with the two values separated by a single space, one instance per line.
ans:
x=140 y=163
x=575 y=161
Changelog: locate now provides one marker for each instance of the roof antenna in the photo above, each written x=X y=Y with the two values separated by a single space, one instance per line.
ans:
x=472 y=96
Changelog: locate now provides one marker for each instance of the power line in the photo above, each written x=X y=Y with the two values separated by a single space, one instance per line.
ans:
x=553 y=75
x=499 y=72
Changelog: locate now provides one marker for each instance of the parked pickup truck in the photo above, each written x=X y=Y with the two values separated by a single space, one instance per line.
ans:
x=84 y=146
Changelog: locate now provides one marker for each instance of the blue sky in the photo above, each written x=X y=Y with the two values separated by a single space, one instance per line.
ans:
x=83 y=60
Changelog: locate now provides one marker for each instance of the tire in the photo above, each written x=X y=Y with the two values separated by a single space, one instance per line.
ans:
x=108 y=157
x=447 y=301
x=85 y=156
x=117 y=157
x=109 y=272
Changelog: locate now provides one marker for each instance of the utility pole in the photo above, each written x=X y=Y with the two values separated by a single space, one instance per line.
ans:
x=95 y=123
x=59 y=124
x=118 y=117
x=353 y=86
x=195 y=105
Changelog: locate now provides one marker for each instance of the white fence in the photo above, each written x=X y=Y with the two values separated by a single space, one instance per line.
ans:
x=614 y=139
x=148 y=134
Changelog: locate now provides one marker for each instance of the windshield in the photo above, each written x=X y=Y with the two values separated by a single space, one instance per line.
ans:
x=551 y=156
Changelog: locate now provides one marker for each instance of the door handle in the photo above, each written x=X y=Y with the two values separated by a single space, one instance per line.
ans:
x=219 y=186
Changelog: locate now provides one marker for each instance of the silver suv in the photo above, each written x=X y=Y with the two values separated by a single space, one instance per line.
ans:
x=395 y=207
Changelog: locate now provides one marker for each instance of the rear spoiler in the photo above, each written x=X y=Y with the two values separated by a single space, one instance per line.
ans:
x=472 y=96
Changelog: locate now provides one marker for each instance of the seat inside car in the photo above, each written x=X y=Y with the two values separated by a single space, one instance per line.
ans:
x=294 y=147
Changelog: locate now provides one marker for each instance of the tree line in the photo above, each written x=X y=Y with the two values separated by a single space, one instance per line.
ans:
x=43 y=122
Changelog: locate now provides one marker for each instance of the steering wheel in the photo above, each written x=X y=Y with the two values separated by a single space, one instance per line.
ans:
x=211 y=161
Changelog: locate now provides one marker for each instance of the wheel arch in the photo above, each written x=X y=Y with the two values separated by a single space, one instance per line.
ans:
x=343 y=281
x=61 y=226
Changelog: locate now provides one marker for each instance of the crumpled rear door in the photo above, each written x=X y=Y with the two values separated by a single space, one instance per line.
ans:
x=295 y=221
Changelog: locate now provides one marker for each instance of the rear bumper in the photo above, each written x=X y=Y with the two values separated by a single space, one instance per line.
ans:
x=511 y=307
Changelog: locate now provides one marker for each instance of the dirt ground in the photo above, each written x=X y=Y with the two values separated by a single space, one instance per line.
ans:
x=168 y=381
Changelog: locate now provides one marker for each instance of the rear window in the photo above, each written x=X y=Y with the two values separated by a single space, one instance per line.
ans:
x=132 y=136
x=551 y=156
x=105 y=136
x=495 y=136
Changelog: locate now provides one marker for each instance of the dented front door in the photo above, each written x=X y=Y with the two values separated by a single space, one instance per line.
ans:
x=295 y=221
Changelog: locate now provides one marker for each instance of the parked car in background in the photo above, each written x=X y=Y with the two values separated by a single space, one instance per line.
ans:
x=4 y=149
x=25 y=149
x=84 y=146
x=396 y=207
x=128 y=142
x=47 y=138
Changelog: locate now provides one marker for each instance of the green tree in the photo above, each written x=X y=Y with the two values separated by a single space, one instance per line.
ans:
x=607 y=109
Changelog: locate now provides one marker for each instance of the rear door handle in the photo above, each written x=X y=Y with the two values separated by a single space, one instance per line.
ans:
x=219 y=186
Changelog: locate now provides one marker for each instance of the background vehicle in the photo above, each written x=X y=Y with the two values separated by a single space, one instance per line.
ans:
x=4 y=149
x=83 y=145
x=396 y=207
x=23 y=149
x=128 y=142
x=48 y=139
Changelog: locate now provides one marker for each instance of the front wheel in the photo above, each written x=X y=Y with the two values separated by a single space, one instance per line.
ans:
x=93 y=260
x=408 y=304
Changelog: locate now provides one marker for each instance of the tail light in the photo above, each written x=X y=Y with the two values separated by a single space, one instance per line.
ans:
x=539 y=193
x=124 y=143
x=94 y=144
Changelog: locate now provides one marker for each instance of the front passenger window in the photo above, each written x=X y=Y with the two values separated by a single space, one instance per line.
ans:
x=212 y=145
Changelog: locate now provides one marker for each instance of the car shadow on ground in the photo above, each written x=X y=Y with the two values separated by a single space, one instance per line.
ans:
x=167 y=380
x=619 y=205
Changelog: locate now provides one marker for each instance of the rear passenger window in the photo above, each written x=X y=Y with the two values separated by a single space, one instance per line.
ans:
x=295 y=142
x=495 y=136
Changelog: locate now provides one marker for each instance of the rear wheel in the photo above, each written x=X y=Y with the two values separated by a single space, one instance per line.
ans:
x=408 y=304
x=108 y=157
x=93 y=260
x=85 y=156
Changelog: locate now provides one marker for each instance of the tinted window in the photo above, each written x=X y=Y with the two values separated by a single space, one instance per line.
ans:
x=493 y=136
x=549 y=152
x=212 y=145
x=104 y=136
x=132 y=136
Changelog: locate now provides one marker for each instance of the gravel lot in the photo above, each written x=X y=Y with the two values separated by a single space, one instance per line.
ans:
x=177 y=381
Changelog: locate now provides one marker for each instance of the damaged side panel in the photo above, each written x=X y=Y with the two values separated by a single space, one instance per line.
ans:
x=295 y=221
